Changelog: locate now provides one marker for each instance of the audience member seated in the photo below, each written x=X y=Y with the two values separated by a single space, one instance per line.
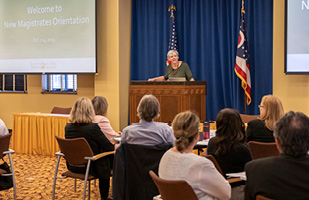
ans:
x=82 y=125
x=3 y=129
x=229 y=148
x=176 y=68
x=147 y=131
x=179 y=163
x=261 y=130
x=286 y=176
x=100 y=106
x=141 y=148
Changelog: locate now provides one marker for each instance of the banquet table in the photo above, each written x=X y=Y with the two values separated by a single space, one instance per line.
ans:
x=34 y=133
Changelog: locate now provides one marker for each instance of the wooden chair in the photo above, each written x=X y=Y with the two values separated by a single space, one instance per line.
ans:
x=59 y=110
x=173 y=189
x=248 y=118
x=262 y=149
x=4 y=149
x=261 y=197
x=213 y=159
x=76 y=152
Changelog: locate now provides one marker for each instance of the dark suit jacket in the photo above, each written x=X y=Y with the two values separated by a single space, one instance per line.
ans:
x=257 y=131
x=98 y=143
x=131 y=179
x=280 y=177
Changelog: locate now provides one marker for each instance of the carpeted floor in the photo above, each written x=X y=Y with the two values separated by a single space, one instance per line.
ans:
x=34 y=179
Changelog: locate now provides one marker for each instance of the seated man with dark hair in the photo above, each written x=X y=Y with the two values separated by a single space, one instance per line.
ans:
x=285 y=176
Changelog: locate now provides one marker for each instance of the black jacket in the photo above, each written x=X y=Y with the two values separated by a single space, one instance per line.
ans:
x=257 y=131
x=280 y=177
x=98 y=143
x=131 y=179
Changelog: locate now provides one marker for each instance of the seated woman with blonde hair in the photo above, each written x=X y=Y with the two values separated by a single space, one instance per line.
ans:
x=82 y=125
x=261 y=130
x=179 y=163
x=100 y=106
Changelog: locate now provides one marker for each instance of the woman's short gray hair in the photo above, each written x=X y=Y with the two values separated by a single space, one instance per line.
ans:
x=170 y=53
x=148 y=108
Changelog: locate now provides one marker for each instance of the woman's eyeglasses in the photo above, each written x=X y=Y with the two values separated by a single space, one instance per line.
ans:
x=260 y=106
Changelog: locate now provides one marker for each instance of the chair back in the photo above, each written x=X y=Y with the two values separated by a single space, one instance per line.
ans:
x=262 y=149
x=59 y=110
x=248 y=118
x=213 y=159
x=173 y=189
x=4 y=143
x=75 y=150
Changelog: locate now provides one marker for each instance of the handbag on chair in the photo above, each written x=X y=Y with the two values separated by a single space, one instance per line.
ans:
x=6 y=182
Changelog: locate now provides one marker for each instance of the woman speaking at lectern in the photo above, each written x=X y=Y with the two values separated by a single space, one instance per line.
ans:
x=175 y=69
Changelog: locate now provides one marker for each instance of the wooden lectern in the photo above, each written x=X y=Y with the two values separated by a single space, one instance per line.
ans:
x=174 y=97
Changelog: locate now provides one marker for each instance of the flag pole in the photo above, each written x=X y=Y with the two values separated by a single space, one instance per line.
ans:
x=245 y=104
x=245 y=96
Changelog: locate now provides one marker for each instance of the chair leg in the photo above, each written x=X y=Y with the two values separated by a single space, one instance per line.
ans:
x=75 y=184
x=111 y=185
x=13 y=175
x=89 y=190
x=55 y=177
x=86 y=179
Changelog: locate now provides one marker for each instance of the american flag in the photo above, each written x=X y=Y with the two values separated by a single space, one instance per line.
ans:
x=173 y=45
x=242 y=67
x=173 y=36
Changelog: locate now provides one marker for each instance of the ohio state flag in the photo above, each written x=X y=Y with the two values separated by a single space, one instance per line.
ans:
x=242 y=67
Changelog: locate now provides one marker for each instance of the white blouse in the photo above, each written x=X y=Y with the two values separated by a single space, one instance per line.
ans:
x=199 y=172
x=3 y=129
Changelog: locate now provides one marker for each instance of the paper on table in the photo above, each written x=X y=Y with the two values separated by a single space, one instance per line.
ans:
x=241 y=175
x=117 y=139
x=203 y=142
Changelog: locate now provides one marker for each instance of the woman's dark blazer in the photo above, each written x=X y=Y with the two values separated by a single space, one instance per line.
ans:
x=257 y=131
x=97 y=141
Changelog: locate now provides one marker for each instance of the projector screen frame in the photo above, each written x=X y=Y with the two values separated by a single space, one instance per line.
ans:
x=94 y=69
x=286 y=71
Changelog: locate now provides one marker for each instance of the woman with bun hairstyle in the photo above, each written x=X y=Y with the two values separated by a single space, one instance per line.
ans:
x=179 y=163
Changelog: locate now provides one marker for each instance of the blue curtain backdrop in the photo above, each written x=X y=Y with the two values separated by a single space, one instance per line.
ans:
x=207 y=40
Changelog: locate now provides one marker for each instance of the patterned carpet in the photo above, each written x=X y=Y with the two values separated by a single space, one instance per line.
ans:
x=34 y=180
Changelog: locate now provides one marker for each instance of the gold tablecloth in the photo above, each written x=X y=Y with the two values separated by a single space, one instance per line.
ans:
x=34 y=133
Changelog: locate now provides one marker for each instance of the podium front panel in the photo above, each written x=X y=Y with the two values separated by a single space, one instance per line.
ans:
x=174 y=97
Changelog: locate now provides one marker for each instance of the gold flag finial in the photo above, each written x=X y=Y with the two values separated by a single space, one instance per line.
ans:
x=243 y=6
x=171 y=9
